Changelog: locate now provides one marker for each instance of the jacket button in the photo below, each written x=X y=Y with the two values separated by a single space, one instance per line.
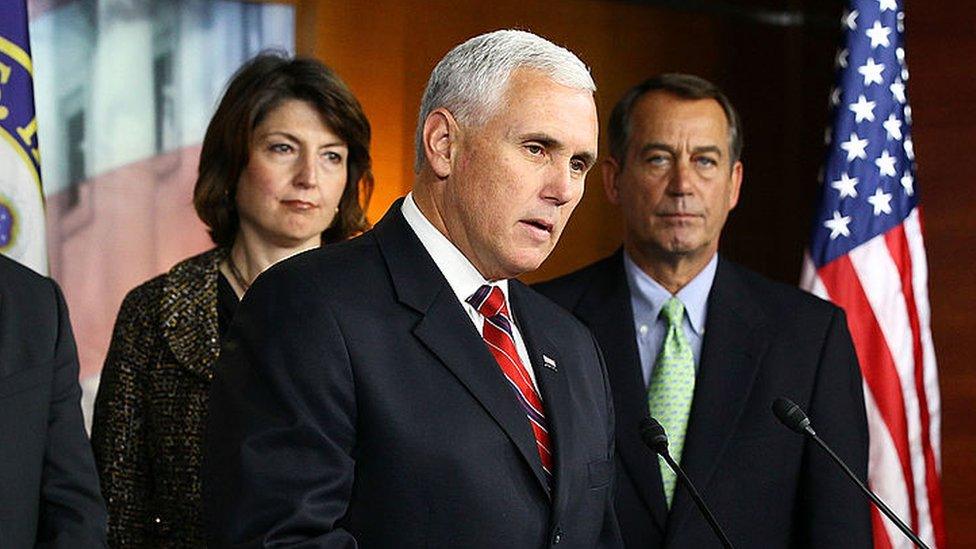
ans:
x=557 y=536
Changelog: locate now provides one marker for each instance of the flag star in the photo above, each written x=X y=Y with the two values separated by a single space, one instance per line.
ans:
x=846 y=186
x=908 y=114
x=835 y=97
x=841 y=60
x=872 y=72
x=900 y=54
x=878 y=35
x=885 y=164
x=850 y=19
x=827 y=135
x=908 y=183
x=893 y=126
x=904 y=73
x=863 y=109
x=898 y=91
x=887 y=5
x=838 y=225
x=855 y=147
x=881 y=202
x=901 y=21
x=909 y=149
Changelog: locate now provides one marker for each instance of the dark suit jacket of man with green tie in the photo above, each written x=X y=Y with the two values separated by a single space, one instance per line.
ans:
x=765 y=484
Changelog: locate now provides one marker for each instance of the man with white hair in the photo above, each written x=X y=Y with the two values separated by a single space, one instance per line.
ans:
x=399 y=390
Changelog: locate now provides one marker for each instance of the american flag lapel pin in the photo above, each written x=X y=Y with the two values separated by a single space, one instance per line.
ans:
x=549 y=363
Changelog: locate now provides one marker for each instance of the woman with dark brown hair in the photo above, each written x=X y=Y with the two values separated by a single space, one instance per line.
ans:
x=285 y=167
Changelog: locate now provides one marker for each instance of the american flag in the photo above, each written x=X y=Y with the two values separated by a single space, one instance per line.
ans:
x=867 y=256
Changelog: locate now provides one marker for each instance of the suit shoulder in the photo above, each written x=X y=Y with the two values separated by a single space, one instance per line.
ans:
x=336 y=270
x=567 y=289
x=554 y=312
x=23 y=286
x=779 y=298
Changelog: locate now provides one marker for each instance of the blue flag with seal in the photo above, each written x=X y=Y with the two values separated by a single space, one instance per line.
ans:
x=21 y=197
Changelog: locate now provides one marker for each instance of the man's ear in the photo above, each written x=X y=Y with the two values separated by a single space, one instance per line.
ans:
x=440 y=139
x=610 y=170
x=736 y=184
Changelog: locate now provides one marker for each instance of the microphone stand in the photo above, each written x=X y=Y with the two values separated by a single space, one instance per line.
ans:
x=795 y=419
x=698 y=499
x=877 y=501
x=653 y=435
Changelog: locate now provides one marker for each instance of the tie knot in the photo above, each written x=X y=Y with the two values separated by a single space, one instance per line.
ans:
x=489 y=301
x=673 y=311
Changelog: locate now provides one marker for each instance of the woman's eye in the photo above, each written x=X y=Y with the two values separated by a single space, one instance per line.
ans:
x=280 y=147
x=332 y=156
x=534 y=149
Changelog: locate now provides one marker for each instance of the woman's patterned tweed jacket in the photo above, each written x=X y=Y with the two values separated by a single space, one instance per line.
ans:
x=152 y=403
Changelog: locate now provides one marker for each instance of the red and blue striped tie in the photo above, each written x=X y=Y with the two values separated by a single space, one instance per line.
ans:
x=497 y=333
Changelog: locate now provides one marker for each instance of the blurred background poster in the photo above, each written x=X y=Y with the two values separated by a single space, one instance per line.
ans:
x=124 y=90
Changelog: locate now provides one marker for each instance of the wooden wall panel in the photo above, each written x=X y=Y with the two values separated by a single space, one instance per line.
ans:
x=940 y=49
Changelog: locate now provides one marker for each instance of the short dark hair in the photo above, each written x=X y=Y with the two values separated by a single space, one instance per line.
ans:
x=257 y=88
x=685 y=86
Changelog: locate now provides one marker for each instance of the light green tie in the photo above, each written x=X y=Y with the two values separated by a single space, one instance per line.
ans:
x=672 y=388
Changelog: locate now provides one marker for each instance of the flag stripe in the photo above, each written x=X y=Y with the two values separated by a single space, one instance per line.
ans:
x=884 y=472
x=877 y=365
x=881 y=279
x=897 y=241
x=897 y=247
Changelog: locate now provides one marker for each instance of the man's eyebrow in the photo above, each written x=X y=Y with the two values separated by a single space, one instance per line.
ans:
x=587 y=157
x=707 y=149
x=542 y=138
x=550 y=142
x=671 y=150
x=648 y=147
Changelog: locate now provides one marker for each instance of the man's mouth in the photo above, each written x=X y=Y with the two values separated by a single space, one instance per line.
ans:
x=539 y=224
x=679 y=215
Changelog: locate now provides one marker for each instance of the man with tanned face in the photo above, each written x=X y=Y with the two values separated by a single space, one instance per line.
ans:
x=705 y=345
x=399 y=390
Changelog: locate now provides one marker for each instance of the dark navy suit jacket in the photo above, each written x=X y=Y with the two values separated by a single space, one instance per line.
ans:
x=355 y=404
x=766 y=485
x=49 y=493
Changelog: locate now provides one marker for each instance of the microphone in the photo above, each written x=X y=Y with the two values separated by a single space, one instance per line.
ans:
x=791 y=415
x=653 y=435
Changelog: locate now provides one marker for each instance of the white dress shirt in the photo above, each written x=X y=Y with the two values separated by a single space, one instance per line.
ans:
x=463 y=278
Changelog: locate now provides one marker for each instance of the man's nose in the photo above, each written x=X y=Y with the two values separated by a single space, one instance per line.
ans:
x=563 y=185
x=680 y=181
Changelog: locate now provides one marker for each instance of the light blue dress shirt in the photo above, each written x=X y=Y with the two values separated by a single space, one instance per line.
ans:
x=647 y=297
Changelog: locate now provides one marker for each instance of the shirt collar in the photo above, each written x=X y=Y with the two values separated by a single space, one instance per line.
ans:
x=694 y=296
x=460 y=273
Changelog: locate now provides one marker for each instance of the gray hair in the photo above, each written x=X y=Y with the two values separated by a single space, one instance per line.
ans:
x=685 y=86
x=470 y=79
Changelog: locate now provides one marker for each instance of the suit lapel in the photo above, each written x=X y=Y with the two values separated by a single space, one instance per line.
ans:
x=188 y=312
x=734 y=344
x=446 y=330
x=606 y=309
x=553 y=385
